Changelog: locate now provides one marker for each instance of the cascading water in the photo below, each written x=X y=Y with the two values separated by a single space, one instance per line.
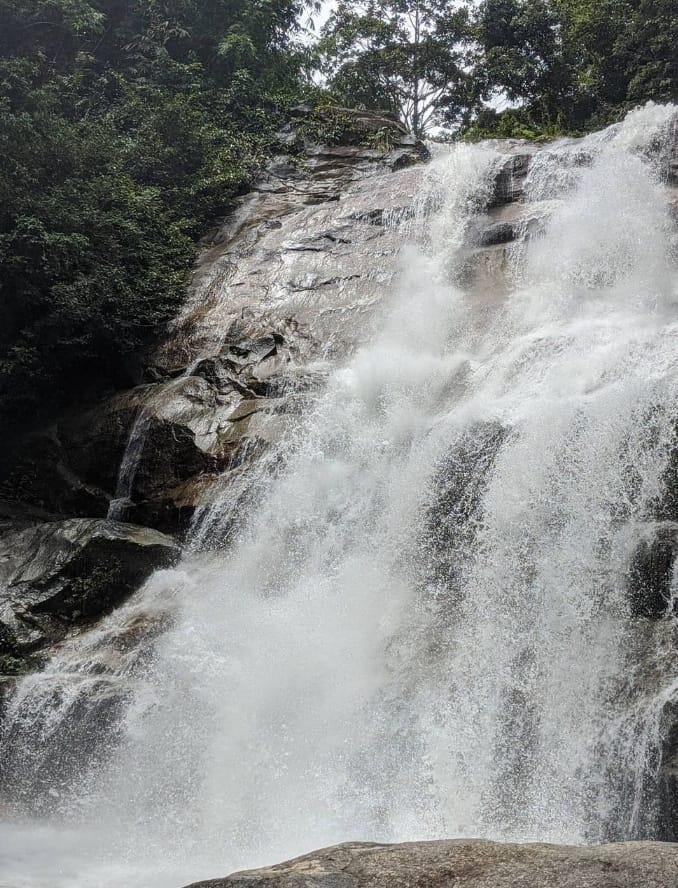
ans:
x=424 y=629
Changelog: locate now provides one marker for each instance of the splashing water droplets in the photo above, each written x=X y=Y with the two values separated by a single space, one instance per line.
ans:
x=423 y=629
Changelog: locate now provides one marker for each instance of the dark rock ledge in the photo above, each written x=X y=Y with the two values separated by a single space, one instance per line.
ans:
x=468 y=863
x=62 y=575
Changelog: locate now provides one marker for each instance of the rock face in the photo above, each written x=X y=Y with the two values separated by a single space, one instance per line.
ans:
x=651 y=573
x=285 y=281
x=468 y=864
x=61 y=574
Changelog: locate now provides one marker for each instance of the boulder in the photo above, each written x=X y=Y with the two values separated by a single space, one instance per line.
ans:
x=468 y=863
x=57 y=575
x=155 y=449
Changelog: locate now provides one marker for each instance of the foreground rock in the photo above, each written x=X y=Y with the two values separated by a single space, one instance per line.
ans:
x=468 y=864
x=64 y=573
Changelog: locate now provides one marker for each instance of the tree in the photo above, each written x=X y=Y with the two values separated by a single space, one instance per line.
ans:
x=589 y=31
x=648 y=46
x=576 y=64
x=405 y=56
x=521 y=54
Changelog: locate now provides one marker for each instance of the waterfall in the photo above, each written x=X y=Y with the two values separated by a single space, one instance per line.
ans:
x=423 y=629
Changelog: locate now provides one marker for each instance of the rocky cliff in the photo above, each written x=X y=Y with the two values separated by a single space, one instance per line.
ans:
x=280 y=286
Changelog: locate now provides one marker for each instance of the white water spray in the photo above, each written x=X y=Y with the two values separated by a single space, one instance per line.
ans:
x=423 y=630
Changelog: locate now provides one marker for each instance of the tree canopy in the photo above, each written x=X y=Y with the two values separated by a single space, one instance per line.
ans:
x=562 y=65
x=572 y=65
x=409 y=56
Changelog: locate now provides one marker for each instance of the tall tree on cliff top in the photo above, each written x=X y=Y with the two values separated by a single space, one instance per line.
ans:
x=407 y=56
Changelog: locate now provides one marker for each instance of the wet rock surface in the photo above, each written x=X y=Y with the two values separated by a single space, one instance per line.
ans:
x=511 y=176
x=651 y=574
x=285 y=281
x=468 y=864
x=668 y=774
x=60 y=574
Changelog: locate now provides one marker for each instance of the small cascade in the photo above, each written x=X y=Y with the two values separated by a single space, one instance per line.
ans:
x=434 y=617
x=128 y=467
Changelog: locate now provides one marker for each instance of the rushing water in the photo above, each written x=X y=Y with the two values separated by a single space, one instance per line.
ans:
x=423 y=629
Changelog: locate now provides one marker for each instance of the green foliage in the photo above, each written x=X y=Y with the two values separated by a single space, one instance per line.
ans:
x=561 y=66
x=573 y=65
x=383 y=139
x=649 y=47
x=404 y=56
x=12 y=665
x=515 y=123
x=125 y=131
x=519 y=43
x=331 y=124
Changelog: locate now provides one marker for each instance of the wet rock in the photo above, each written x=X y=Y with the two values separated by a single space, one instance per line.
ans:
x=294 y=226
x=59 y=574
x=283 y=284
x=181 y=433
x=171 y=427
x=7 y=687
x=467 y=863
x=509 y=184
x=498 y=233
x=651 y=571
x=95 y=440
x=170 y=453
x=458 y=486
x=173 y=508
x=511 y=222
x=406 y=157
x=20 y=515
x=667 y=506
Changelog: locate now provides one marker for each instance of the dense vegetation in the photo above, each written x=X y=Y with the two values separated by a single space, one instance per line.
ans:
x=574 y=65
x=564 y=65
x=128 y=126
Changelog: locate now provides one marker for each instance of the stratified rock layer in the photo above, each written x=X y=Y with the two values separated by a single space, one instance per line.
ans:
x=468 y=864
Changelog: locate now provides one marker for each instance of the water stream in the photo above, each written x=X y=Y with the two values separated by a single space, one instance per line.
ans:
x=423 y=629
